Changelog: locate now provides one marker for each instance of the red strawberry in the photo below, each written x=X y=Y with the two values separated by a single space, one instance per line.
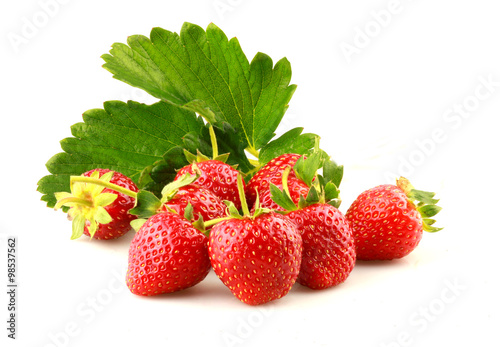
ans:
x=216 y=176
x=272 y=173
x=166 y=255
x=97 y=210
x=257 y=258
x=328 y=255
x=204 y=202
x=118 y=210
x=387 y=224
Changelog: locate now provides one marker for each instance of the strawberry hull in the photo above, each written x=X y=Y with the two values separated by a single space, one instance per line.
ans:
x=296 y=188
x=118 y=210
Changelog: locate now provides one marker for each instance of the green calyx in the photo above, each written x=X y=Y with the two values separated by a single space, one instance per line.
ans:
x=200 y=157
x=424 y=203
x=144 y=211
x=322 y=188
x=147 y=204
x=233 y=211
x=198 y=224
x=170 y=190
x=282 y=197
x=87 y=201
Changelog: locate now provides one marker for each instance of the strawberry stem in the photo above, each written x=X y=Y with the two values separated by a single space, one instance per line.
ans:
x=404 y=184
x=284 y=179
x=213 y=140
x=212 y=222
x=253 y=151
x=254 y=162
x=73 y=199
x=96 y=181
x=241 y=192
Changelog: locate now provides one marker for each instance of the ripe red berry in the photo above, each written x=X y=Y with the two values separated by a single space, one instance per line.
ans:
x=118 y=210
x=258 y=259
x=387 y=224
x=205 y=203
x=328 y=247
x=272 y=172
x=328 y=254
x=99 y=204
x=167 y=254
x=216 y=176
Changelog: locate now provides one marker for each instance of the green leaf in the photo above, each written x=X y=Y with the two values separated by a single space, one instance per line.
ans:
x=293 y=141
x=136 y=224
x=312 y=196
x=423 y=196
x=169 y=191
x=424 y=201
x=429 y=221
x=146 y=205
x=188 y=212
x=332 y=172
x=431 y=229
x=204 y=72
x=427 y=211
x=160 y=174
x=199 y=225
x=78 y=226
x=331 y=191
x=102 y=216
x=105 y=199
x=124 y=137
x=335 y=203
x=228 y=141
x=306 y=169
x=190 y=157
x=51 y=184
x=232 y=211
x=282 y=198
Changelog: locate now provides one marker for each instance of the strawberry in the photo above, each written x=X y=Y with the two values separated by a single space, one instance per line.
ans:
x=167 y=254
x=118 y=210
x=99 y=203
x=205 y=203
x=216 y=176
x=328 y=254
x=182 y=197
x=386 y=222
x=272 y=173
x=256 y=256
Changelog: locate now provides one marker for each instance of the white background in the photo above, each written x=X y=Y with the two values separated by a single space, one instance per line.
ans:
x=386 y=109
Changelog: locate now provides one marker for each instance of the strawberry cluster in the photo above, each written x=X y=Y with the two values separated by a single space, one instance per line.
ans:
x=263 y=223
x=282 y=226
